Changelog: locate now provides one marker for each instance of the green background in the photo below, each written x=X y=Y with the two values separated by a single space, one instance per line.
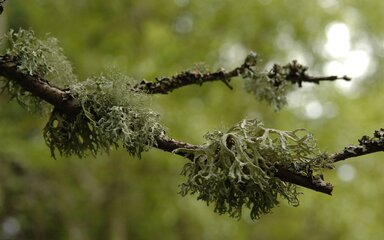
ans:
x=117 y=197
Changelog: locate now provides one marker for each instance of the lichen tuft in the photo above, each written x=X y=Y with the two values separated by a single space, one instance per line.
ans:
x=113 y=114
x=272 y=90
x=42 y=57
x=34 y=56
x=236 y=169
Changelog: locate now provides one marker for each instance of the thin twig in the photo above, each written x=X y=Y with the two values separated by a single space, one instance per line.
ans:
x=166 y=85
x=292 y=72
x=296 y=73
x=366 y=146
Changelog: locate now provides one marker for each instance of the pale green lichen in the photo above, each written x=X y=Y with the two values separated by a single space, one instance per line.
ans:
x=41 y=57
x=113 y=114
x=236 y=169
x=233 y=170
x=34 y=56
x=26 y=99
x=263 y=86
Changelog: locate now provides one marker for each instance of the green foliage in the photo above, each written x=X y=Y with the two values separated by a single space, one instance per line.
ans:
x=236 y=168
x=112 y=113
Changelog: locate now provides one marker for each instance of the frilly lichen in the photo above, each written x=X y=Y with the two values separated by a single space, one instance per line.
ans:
x=233 y=170
x=236 y=169
x=272 y=90
x=34 y=56
x=112 y=114
x=41 y=57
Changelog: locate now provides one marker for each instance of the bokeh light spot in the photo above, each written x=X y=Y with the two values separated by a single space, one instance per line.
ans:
x=346 y=172
x=338 y=39
x=314 y=110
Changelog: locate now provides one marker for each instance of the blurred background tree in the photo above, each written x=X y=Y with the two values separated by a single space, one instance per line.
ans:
x=116 y=197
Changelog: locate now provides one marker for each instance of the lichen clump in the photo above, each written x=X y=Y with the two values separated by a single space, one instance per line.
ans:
x=236 y=169
x=113 y=114
x=272 y=89
x=39 y=57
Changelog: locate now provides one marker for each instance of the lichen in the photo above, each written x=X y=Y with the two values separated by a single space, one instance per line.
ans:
x=236 y=169
x=42 y=57
x=25 y=99
x=113 y=114
x=265 y=87
x=233 y=170
x=34 y=56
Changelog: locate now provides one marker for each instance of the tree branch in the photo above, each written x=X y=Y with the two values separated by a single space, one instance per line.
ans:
x=366 y=146
x=292 y=72
x=61 y=99
x=165 y=85
x=296 y=73
x=312 y=182
x=64 y=102
x=170 y=145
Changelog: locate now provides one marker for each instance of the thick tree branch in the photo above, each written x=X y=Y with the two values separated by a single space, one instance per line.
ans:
x=64 y=102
